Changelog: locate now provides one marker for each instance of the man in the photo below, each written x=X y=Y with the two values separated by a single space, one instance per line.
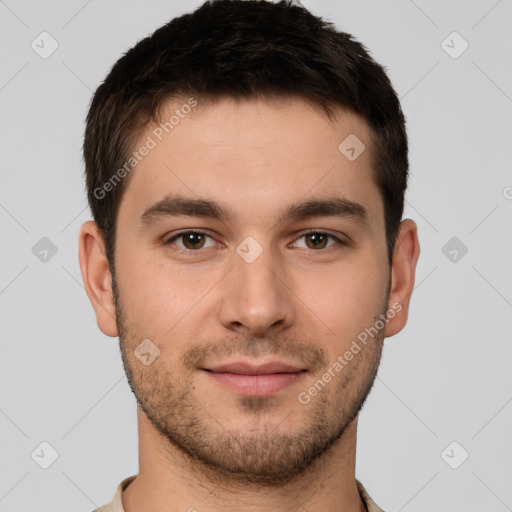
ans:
x=246 y=168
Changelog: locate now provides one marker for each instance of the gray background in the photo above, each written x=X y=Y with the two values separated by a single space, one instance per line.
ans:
x=445 y=378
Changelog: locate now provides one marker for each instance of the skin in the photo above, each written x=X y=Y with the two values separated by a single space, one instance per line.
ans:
x=200 y=443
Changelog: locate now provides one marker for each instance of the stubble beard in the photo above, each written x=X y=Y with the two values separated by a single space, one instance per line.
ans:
x=264 y=455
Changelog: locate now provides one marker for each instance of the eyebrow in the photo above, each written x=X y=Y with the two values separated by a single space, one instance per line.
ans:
x=322 y=207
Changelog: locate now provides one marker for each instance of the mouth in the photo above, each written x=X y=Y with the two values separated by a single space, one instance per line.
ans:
x=255 y=380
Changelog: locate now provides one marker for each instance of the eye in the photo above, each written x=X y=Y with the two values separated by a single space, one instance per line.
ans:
x=196 y=240
x=318 y=240
x=191 y=240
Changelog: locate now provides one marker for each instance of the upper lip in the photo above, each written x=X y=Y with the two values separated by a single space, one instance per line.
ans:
x=243 y=368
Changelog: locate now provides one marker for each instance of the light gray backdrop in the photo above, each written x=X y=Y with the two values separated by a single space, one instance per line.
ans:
x=444 y=389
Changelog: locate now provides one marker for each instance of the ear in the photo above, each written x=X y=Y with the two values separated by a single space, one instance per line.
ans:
x=405 y=257
x=96 y=277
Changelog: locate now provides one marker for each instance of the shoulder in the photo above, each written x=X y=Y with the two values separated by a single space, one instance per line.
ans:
x=371 y=506
x=116 y=505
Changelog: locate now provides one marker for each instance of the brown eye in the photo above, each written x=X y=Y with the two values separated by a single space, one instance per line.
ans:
x=316 y=240
x=191 y=240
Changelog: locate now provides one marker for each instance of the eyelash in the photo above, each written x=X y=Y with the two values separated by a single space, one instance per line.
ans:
x=169 y=242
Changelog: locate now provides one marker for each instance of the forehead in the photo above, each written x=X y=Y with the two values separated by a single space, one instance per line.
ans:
x=253 y=155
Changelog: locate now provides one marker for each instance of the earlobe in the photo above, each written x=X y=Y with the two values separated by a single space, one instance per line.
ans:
x=405 y=258
x=96 y=277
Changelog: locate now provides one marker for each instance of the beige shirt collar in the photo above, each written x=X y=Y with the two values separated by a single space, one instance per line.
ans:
x=116 y=505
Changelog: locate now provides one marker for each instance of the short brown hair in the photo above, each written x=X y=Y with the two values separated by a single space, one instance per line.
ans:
x=243 y=49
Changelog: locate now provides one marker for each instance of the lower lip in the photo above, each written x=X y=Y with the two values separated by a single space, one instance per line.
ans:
x=256 y=385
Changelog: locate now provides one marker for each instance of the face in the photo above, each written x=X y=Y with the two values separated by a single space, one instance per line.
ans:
x=251 y=256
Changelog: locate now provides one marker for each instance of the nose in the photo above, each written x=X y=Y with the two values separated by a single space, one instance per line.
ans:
x=257 y=297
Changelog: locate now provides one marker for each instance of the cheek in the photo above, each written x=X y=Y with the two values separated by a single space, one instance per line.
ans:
x=347 y=300
x=159 y=294
x=146 y=293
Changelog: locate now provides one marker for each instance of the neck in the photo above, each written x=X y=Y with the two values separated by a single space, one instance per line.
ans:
x=170 y=481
